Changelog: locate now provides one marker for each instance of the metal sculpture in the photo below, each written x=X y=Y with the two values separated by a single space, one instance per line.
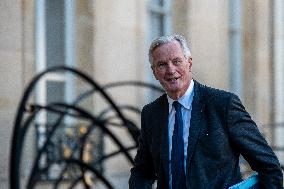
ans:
x=25 y=119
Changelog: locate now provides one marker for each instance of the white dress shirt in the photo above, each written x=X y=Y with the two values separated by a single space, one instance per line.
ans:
x=186 y=102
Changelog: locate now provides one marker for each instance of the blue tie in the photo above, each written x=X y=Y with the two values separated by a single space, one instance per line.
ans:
x=177 y=155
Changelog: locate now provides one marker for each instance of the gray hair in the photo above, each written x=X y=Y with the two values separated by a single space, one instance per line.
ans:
x=167 y=39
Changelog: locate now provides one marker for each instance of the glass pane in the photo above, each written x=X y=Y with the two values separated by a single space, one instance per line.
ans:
x=157 y=2
x=54 y=32
x=55 y=92
x=157 y=25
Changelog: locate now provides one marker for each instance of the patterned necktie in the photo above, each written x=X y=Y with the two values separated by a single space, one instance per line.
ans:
x=177 y=154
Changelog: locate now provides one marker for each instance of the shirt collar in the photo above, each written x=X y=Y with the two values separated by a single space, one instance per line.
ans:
x=185 y=100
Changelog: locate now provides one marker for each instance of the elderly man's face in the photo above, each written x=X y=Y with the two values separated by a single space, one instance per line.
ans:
x=172 y=69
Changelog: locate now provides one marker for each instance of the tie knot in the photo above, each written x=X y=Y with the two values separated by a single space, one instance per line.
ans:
x=177 y=105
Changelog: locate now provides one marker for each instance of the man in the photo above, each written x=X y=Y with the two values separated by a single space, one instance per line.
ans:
x=192 y=136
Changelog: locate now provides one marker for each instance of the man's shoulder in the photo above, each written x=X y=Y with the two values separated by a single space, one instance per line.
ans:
x=156 y=104
x=212 y=94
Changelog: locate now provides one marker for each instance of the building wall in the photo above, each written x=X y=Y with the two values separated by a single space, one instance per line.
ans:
x=12 y=74
x=263 y=62
x=208 y=36
x=111 y=45
x=119 y=55
x=278 y=76
x=257 y=60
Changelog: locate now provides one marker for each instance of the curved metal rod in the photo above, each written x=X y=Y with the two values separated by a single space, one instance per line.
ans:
x=126 y=107
x=135 y=134
x=48 y=137
x=24 y=128
x=84 y=114
x=35 y=168
x=112 y=123
x=83 y=142
x=102 y=114
x=88 y=167
x=100 y=123
x=52 y=109
x=133 y=83
x=14 y=153
x=107 y=156
x=119 y=84
x=75 y=182
x=57 y=181
x=84 y=138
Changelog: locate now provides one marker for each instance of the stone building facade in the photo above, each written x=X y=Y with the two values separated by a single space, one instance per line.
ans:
x=236 y=45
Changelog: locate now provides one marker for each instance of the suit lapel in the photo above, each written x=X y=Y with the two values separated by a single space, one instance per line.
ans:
x=164 y=142
x=197 y=121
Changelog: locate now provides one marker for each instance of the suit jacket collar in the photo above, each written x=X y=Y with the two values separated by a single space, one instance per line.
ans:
x=197 y=120
x=164 y=141
x=197 y=123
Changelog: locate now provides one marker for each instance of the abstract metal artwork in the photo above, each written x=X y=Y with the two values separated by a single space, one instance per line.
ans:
x=71 y=152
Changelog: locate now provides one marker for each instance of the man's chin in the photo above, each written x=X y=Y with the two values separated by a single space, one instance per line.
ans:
x=171 y=86
x=172 y=89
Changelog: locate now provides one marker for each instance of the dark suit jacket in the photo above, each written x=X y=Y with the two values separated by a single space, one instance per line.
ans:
x=220 y=131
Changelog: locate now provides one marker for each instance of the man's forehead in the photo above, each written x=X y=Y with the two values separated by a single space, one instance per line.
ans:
x=167 y=49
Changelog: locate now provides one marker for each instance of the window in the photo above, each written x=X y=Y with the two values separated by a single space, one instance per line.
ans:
x=54 y=35
x=159 y=23
x=159 y=18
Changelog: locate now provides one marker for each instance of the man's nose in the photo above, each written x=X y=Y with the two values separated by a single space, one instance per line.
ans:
x=171 y=68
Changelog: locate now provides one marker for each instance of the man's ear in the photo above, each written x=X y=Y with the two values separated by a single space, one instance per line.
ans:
x=154 y=73
x=190 y=62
